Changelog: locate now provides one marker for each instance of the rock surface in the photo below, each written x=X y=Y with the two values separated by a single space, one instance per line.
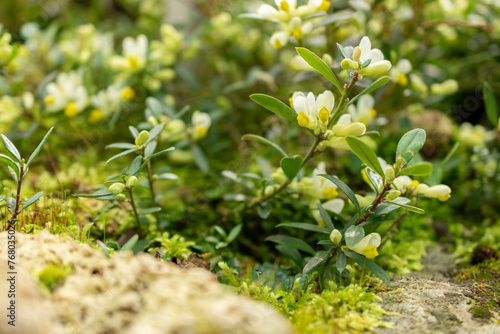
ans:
x=125 y=294
x=428 y=302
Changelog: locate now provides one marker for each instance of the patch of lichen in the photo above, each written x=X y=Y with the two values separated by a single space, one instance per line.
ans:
x=336 y=309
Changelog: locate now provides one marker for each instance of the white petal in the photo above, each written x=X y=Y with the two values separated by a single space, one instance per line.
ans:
x=365 y=46
x=299 y=104
x=334 y=205
x=267 y=12
x=375 y=55
x=344 y=120
x=366 y=102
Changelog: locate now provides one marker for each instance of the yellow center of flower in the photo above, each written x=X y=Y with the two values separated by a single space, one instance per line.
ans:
x=330 y=193
x=324 y=115
x=402 y=79
x=49 y=99
x=71 y=110
x=284 y=6
x=302 y=119
x=126 y=93
x=134 y=64
x=413 y=183
x=370 y=252
x=324 y=5
x=365 y=177
x=200 y=132
x=297 y=33
x=291 y=102
x=444 y=197
x=373 y=113
x=95 y=116
x=277 y=44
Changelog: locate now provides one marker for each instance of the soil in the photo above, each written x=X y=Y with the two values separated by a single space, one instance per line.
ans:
x=431 y=301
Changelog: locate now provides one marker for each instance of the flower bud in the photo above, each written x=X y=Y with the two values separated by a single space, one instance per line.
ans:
x=154 y=177
x=116 y=188
x=327 y=59
x=269 y=190
x=142 y=138
x=335 y=236
x=152 y=121
x=131 y=182
x=324 y=115
x=392 y=195
x=399 y=161
x=121 y=197
x=348 y=64
x=389 y=175
x=356 y=54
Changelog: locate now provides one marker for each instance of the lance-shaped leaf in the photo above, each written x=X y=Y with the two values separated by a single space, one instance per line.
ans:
x=9 y=162
x=369 y=264
x=326 y=218
x=375 y=179
x=121 y=155
x=315 y=261
x=305 y=226
x=375 y=85
x=319 y=65
x=135 y=166
x=11 y=148
x=154 y=132
x=365 y=153
x=421 y=168
x=33 y=199
x=98 y=193
x=291 y=242
x=410 y=208
x=133 y=131
x=39 y=147
x=161 y=152
x=276 y=106
x=490 y=104
x=130 y=243
x=386 y=208
x=345 y=188
x=124 y=146
x=410 y=144
x=265 y=141
x=291 y=166
x=341 y=261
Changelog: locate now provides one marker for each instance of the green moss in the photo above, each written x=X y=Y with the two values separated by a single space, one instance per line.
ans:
x=481 y=312
x=349 y=309
x=486 y=270
x=51 y=276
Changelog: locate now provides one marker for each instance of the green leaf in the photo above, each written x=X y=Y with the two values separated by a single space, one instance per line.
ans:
x=130 y=243
x=291 y=242
x=315 y=261
x=150 y=148
x=319 y=65
x=9 y=162
x=135 y=166
x=11 y=148
x=161 y=152
x=490 y=104
x=234 y=232
x=33 y=199
x=291 y=253
x=39 y=147
x=372 y=266
x=200 y=159
x=264 y=210
x=291 y=166
x=345 y=188
x=375 y=85
x=375 y=179
x=98 y=193
x=409 y=207
x=353 y=235
x=342 y=51
x=341 y=261
x=154 y=106
x=422 y=168
x=150 y=210
x=365 y=153
x=124 y=146
x=167 y=176
x=410 y=144
x=305 y=226
x=133 y=131
x=103 y=247
x=327 y=242
x=265 y=141
x=85 y=231
x=386 y=208
x=276 y=106
x=154 y=132
x=326 y=218
x=121 y=155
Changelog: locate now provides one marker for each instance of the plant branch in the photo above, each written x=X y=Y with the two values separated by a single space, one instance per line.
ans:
x=16 y=211
x=378 y=200
x=134 y=208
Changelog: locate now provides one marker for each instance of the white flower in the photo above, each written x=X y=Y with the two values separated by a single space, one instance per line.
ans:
x=201 y=122
x=400 y=71
x=441 y=192
x=323 y=188
x=363 y=112
x=368 y=245
x=105 y=102
x=343 y=128
x=135 y=53
x=469 y=135
x=365 y=52
x=67 y=93
x=335 y=205
x=314 y=113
